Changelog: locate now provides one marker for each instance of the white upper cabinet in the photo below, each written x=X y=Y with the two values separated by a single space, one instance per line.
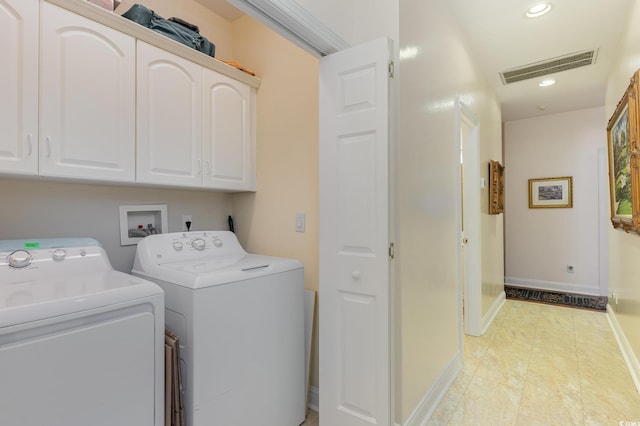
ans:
x=88 y=95
x=87 y=122
x=227 y=133
x=194 y=125
x=169 y=118
x=19 y=86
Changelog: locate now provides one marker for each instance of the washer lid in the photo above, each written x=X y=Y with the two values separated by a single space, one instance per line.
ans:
x=201 y=273
x=203 y=259
x=32 y=300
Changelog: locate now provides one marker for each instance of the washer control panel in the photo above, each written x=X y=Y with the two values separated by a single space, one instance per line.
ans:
x=178 y=246
x=200 y=241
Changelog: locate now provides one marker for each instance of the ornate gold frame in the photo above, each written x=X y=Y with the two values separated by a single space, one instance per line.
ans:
x=496 y=187
x=624 y=174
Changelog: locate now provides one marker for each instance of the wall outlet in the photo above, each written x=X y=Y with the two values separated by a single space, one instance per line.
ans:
x=187 y=218
x=570 y=269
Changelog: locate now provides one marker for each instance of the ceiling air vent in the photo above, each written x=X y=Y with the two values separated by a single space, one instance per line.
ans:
x=551 y=66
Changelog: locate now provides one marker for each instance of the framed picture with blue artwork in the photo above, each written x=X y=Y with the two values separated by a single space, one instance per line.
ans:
x=556 y=192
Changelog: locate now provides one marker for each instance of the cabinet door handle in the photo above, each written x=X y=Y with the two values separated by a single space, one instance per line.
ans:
x=199 y=163
x=207 y=167
x=48 y=140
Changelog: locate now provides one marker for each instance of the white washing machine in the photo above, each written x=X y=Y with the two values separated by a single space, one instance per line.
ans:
x=80 y=343
x=240 y=319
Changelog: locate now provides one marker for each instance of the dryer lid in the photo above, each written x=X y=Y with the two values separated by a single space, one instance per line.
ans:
x=33 y=300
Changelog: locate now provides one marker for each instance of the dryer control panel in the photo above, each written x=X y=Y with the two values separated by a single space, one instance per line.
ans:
x=51 y=255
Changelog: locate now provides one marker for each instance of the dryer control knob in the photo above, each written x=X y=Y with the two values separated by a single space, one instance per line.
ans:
x=198 y=244
x=177 y=245
x=59 y=254
x=19 y=259
x=217 y=242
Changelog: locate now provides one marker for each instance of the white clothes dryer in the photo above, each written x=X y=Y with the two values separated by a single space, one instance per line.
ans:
x=240 y=320
x=80 y=343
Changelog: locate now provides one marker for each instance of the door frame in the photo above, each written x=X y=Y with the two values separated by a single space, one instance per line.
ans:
x=470 y=291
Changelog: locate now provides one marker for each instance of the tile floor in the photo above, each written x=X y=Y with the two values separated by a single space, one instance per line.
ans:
x=542 y=365
x=312 y=419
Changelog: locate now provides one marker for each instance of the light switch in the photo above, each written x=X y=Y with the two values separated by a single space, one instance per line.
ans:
x=300 y=222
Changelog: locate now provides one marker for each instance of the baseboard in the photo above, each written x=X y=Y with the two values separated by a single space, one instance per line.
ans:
x=427 y=406
x=589 y=289
x=314 y=398
x=493 y=311
x=629 y=356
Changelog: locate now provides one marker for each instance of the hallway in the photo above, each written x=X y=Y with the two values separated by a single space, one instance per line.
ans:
x=542 y=365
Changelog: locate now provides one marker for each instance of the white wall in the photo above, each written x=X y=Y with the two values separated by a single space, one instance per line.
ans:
x=624 y=249
x=356 y=21
x=540 y=243
x=41 y=209
x=287 y=152
x=428 y=166
x=492 y=232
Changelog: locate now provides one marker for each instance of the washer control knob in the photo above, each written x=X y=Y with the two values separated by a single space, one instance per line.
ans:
x=177 y=245
x=59 y=254
x=217 y=242
x=198 y=244
x=19 y=259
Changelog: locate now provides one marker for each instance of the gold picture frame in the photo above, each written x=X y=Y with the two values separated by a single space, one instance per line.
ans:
x=622 y=142
x=496 y=187
x=549 y=193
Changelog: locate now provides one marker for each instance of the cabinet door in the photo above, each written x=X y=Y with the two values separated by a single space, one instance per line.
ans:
x=19 y=86
x=169 y=118
x=87 y=123
x=229 y=143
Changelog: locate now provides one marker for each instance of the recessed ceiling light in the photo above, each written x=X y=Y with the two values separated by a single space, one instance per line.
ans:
x=538 y=10
x=546 y=83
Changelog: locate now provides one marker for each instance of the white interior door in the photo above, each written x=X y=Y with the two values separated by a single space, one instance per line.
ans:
x=470 y=228
x=354 y=236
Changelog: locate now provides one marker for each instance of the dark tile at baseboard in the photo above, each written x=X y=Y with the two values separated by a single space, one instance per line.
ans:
x=597 y=303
